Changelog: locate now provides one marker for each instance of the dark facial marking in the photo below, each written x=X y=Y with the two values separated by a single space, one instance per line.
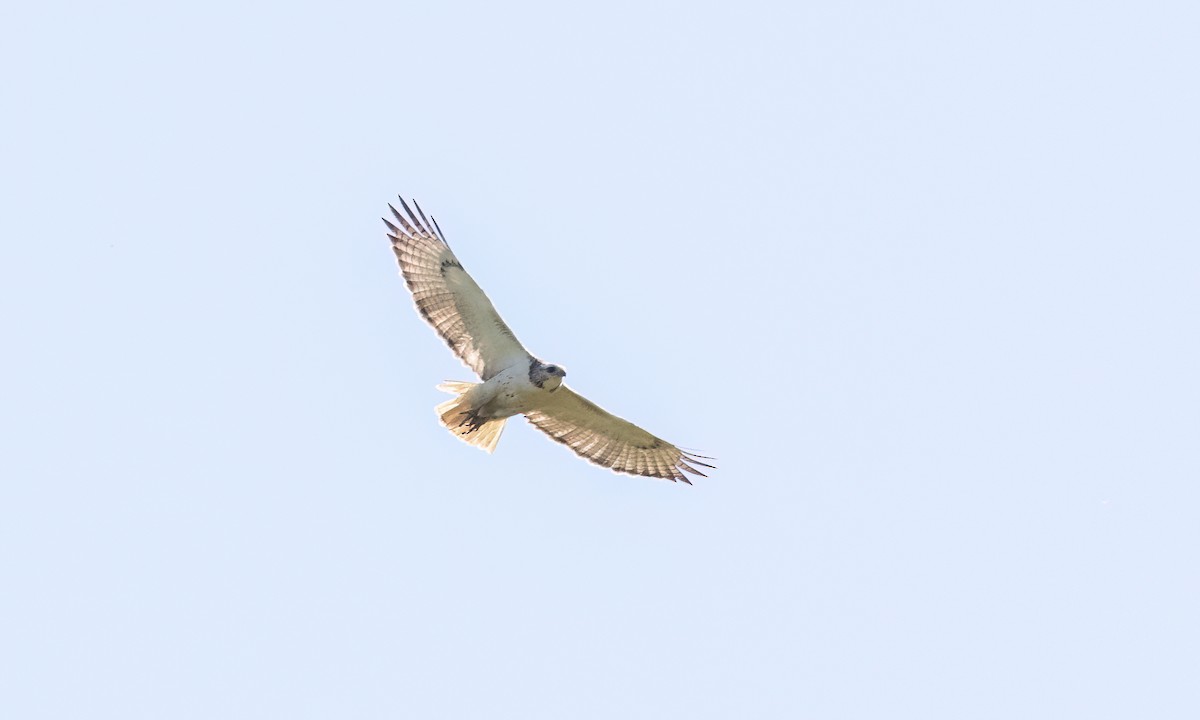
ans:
x=534 y=364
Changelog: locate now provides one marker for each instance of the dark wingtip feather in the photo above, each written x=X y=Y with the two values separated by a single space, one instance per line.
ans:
x=400 y=218
x=422 y=214
x=692 y=457
x=441 y=235
x=412 y=216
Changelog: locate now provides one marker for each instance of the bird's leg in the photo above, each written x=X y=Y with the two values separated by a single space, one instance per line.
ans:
x=472 y=419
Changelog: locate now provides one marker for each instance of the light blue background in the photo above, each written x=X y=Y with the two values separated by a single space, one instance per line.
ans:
x=924 y=276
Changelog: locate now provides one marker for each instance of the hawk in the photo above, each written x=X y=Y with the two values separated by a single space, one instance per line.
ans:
x=514 y=381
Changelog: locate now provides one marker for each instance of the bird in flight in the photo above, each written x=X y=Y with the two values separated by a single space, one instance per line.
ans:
x=514 y=381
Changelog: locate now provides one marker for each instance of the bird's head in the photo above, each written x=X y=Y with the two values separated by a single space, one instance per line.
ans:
x=547 y=377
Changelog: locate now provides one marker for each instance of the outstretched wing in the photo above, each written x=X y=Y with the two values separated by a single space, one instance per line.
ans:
x=449 y=299
x=602 y=438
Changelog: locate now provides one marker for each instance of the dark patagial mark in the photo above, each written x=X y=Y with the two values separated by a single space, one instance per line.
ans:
x=501 y=327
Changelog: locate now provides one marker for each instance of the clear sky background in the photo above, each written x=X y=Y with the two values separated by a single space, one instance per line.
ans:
x=923 y=276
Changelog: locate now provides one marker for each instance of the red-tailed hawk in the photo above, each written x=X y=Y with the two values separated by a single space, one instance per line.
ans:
x=514 y=382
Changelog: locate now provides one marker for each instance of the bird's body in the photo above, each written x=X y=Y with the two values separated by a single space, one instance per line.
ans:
x=514 y=382
x=477 y=415
x=514 y=391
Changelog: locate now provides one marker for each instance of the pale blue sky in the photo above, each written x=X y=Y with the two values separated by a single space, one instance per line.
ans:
x=924 y=276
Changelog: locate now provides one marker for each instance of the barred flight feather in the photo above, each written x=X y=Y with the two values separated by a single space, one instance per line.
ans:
x=604 y=439
x=448 y=298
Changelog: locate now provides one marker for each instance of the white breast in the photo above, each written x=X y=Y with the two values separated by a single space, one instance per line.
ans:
x=513 y=393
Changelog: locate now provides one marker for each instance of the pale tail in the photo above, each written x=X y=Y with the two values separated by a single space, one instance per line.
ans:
x=451 y=414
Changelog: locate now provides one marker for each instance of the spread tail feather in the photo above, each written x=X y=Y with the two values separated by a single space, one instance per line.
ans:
x=455 y=416
x=456 y=387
